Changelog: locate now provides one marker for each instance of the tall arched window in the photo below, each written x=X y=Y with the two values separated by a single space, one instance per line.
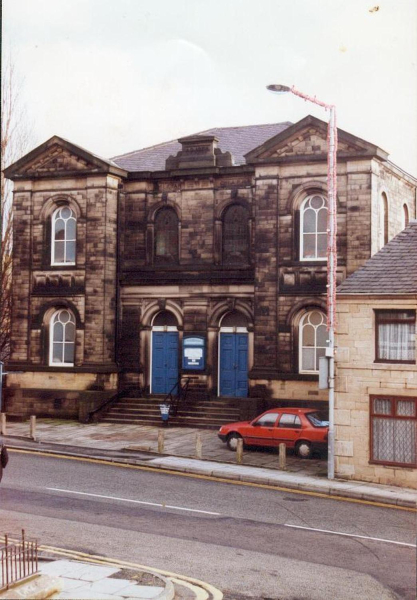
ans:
x=166 y=236
x=313 y=341
x=236 y=235
x=383 y=221
x=313 y=226
x=64 y=226
x=62 y=338
x=405 y=217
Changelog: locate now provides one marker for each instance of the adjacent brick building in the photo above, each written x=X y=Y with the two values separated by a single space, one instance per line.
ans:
x=376 y=383
x=204 y=256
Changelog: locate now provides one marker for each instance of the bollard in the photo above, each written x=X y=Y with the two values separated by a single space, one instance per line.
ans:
x=161 y=441
x=198 y=445
x=239 y=451
x=282 y=457
x=32 y=433
x=3 y=427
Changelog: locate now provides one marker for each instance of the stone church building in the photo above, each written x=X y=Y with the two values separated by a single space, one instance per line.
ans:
x=200 y=258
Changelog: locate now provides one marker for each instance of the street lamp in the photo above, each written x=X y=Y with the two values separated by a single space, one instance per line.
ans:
x=331 y=248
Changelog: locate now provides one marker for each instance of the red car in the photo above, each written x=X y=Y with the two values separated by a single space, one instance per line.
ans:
x=299 y=428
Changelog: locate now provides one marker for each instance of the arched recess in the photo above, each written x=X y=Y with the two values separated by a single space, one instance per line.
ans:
x=226 y=306
x=151 y=233
x=155 y=307
x=383 y=220
x=405 y=216
x=219 y=241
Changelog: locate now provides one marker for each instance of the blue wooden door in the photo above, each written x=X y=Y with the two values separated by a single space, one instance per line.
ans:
x=234 y=364
x=164 y=361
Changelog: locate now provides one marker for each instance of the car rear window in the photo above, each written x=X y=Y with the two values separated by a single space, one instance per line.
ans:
x=316 y=420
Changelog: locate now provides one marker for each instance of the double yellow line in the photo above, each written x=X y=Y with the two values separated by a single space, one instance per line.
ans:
x=215 y=479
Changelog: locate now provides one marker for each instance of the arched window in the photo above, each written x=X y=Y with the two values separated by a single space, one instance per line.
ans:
x=383 y=221
x=405 y=217
x=236 y=235
x=166 y=236
x=64 y=225
x=313 y=341
x=62 y=339
x=313 y=226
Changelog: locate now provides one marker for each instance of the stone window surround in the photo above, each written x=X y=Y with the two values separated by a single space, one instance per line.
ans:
x=378 y=316
x=393 y=416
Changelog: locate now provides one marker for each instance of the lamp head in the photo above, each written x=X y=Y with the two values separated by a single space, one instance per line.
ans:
x=278 y=88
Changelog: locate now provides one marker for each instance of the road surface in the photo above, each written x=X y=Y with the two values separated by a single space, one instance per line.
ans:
x=248 y=541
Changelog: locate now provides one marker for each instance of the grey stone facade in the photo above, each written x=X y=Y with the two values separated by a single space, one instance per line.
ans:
x=117 y=286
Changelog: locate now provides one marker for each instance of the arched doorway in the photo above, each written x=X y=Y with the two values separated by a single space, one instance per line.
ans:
x=233 y=355
x=164 y=365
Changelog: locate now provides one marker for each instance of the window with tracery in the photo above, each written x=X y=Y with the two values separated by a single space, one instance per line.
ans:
x=313 y=226
x=64 y=234
x=62 y=339
x=313 y=341
x=166 y=236
x=236 y=235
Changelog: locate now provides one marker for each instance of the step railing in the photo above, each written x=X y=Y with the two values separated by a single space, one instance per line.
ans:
x=18 y=560
x=174 y=401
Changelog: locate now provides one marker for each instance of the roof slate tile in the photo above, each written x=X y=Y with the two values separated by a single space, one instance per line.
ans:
x=392 y=270
x=237 y=140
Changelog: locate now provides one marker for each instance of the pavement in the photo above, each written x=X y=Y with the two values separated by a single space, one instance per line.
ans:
x=138 y=445
x=84 y=580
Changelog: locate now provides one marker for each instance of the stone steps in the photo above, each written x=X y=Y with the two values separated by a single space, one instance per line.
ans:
x=198 y=413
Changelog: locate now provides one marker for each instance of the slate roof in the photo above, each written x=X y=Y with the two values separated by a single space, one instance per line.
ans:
x=392 y=270
x=237 y=140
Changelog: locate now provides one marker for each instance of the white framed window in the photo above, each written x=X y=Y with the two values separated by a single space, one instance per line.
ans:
x=313 y=228
x=312 y=342
x=62 y=339
x=63 y=243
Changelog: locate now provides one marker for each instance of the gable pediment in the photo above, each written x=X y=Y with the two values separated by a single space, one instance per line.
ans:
x=57 y=160
x=58 y=157
x=306 y=140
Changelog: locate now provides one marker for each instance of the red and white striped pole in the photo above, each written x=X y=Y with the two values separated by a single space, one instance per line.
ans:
x=331 y=250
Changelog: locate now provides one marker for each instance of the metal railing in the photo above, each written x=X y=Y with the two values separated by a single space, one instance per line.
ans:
x=175 y=400
x=18 y=560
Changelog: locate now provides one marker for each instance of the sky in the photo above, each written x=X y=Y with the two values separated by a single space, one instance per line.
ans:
x=115 y=76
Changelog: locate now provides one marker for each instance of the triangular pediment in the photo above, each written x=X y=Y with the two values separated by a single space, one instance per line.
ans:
x=58 y=157
x=308 y=139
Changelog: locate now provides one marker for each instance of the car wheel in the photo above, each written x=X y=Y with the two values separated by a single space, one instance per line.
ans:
x=304 y=449
x=232 y=439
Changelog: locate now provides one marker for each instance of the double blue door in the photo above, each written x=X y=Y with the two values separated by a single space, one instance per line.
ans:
x=164 y=361
x=234 y=364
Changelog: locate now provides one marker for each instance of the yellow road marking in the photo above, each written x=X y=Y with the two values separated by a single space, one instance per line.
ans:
x=264 y=486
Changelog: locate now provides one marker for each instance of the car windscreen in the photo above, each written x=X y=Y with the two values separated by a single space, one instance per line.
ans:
x=316 y=420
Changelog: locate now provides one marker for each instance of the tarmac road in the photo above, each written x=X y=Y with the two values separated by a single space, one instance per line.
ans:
x=248 y=541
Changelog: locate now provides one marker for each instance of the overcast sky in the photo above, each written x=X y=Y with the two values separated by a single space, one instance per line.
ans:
x=119 y=75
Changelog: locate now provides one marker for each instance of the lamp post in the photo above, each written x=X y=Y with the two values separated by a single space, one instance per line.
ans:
x=331 y=249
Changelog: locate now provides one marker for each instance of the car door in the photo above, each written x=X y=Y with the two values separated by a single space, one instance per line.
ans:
x=261 y=431
x=287 y=430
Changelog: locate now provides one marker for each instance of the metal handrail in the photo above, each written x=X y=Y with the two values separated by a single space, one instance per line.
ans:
x=104 y=405
x=174 y=401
